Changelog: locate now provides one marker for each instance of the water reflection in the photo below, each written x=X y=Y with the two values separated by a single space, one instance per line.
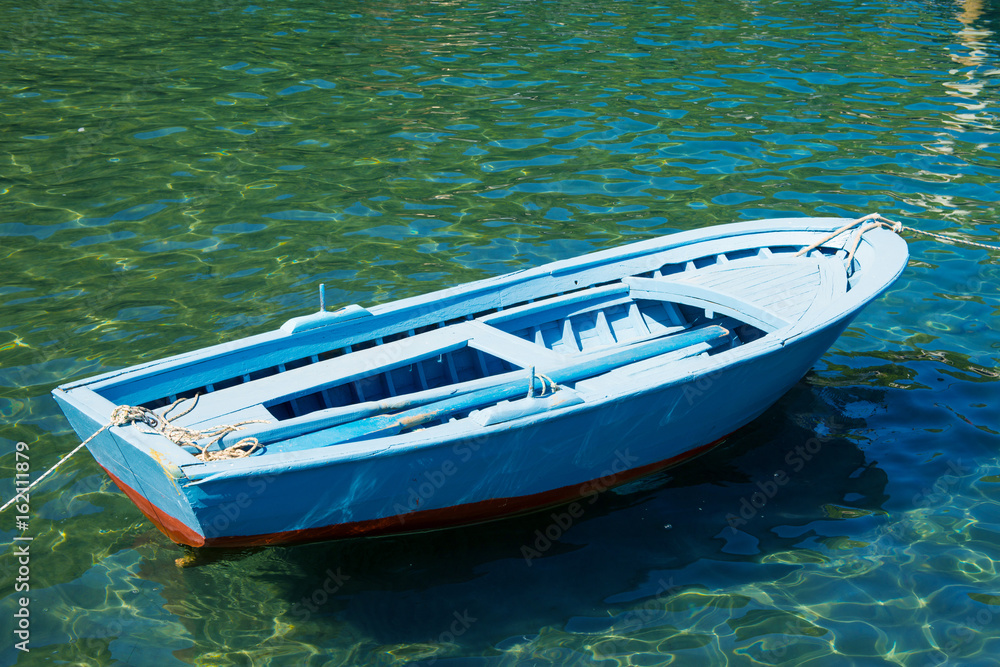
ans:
x=972 y=57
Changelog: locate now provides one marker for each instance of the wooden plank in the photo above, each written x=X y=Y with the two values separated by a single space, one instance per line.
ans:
x=513 y=349
x=785 y=288
x=389 y=387
x=421 y=375
x=539 y=336
x=452 y=372
x=833 y=285
x=674 y=313
x=548 y=306
x=357 y=390
x=704 y=297
x=569 y=336
x=638 y=323
x=755 y=276
x=481 y=362
x=604 y=330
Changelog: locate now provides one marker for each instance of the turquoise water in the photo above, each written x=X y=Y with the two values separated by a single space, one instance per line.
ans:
x=179 y=174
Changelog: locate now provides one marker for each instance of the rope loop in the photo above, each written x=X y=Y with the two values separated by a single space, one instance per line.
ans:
x=186 y=437
x=549 y=385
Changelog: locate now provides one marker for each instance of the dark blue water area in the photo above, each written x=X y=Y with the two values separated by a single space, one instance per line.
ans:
x=177 y=175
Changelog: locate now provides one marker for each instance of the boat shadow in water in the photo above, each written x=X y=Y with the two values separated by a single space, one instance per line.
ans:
x=773 y=488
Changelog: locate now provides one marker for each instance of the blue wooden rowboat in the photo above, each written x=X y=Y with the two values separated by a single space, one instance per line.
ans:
x=496 y=397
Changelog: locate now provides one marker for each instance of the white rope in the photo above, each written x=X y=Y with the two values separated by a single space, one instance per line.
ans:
x=857 y=239
x=128 y=414
x=186 y=437
x=874 y=220
x=946 y=238
x=121 y=415
x=549 y=388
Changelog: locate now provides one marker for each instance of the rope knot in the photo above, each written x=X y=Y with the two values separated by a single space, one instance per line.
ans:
x=129 y=414
x=187 y=437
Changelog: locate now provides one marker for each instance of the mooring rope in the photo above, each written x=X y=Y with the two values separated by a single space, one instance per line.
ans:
x=874 y=220
x=120 y=416
x=160 y=424
x=951 y=239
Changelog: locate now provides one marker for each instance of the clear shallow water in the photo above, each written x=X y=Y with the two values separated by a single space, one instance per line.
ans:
x=179 y=174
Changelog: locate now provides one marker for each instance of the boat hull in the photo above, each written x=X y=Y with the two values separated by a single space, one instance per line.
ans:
x=569 y=459
x=658 y=350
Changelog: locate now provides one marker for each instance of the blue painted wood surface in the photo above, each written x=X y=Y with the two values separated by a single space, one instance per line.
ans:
x=416 y=413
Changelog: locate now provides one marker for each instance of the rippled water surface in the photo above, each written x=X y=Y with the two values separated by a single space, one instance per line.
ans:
x=175 y=174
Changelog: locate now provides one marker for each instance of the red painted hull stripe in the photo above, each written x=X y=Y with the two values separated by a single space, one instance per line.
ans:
x=171 y=527
x=468 y=513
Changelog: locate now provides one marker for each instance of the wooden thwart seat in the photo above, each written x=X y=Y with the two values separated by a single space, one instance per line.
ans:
x=705 y=297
